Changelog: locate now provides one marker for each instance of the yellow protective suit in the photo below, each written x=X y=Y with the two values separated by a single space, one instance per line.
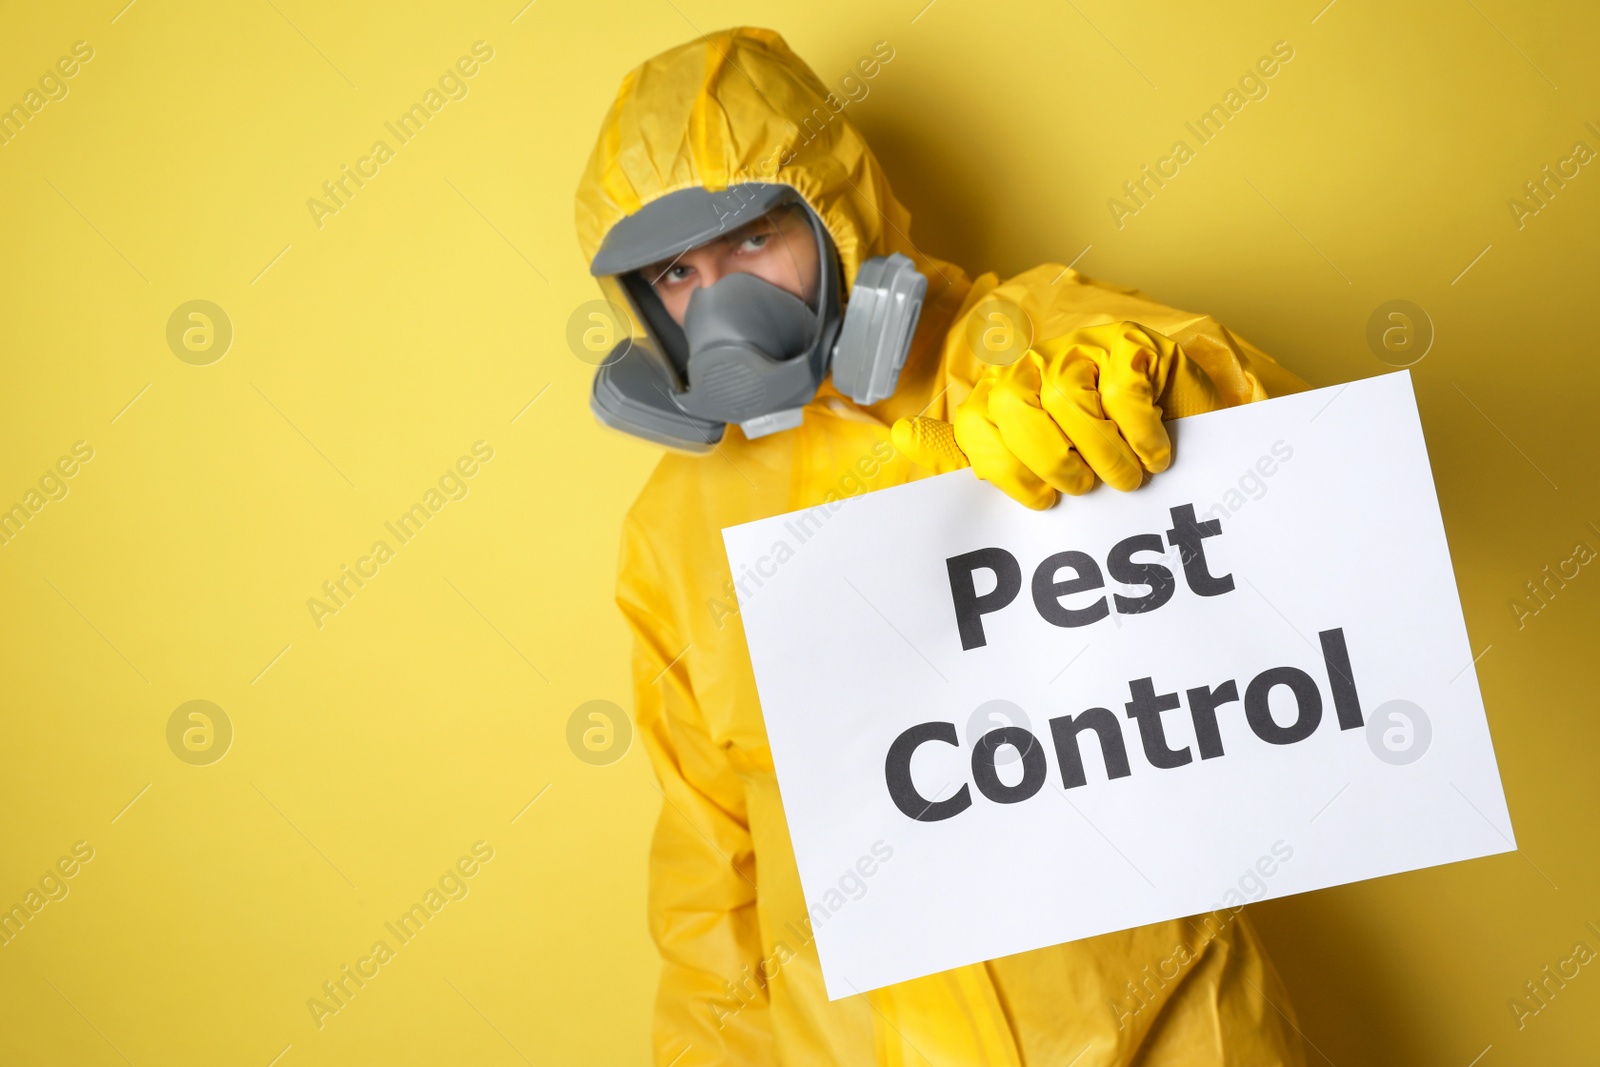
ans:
x=740 y=982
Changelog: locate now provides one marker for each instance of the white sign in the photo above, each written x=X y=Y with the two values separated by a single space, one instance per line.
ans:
x=998 y=729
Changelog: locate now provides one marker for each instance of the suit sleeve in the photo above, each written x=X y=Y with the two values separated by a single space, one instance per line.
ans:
x=1241 y=371
x=1055 y=301
x=711 y=1004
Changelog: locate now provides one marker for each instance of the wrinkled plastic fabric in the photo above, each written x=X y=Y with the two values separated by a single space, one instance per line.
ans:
x=740 y=982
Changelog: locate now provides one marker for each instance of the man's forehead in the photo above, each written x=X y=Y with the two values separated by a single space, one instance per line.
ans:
x=738 y=233
x=755 y=225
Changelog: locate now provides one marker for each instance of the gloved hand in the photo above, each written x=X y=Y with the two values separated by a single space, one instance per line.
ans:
x=1086 y=404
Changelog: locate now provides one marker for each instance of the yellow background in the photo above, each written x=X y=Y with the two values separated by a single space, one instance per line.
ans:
x=433 y=308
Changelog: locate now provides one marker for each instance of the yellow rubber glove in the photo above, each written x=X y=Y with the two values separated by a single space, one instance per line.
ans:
x=1087 y=404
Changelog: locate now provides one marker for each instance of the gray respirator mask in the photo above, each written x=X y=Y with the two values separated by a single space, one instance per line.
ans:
x=748 y=352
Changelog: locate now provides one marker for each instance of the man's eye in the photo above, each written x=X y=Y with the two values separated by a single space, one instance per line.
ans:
x=754 y=243
x=674 y=275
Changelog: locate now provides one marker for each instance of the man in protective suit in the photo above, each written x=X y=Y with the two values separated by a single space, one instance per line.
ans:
x=792 y=347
